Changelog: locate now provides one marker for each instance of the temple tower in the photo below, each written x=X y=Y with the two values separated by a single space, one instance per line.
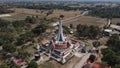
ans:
x=60 y=37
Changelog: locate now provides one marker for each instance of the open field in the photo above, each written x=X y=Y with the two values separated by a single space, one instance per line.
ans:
x=115 y=20
x=87 y=20
x=22 y=13
x=66 y=14
x=15 y=16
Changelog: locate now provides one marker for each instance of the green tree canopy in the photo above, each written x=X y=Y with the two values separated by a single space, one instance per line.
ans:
x=96 y=44
x=110 y=57
x=31 y=20
x=9 y=48
x=4 y=65
x=32 y=65
x=40 y=29
x=114 y=43
x=88 y=31
x=61 y=16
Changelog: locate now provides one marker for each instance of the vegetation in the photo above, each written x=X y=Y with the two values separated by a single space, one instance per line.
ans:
x=114 y=40
x=49 y=12
x=96 y=44
x=106 y=12
x=31 y=20
x=9 y=48
x=112 y=54
x=32 y=65
x=23 y=54
x=24 y=38
x=92 y=58
x=88 y=31
x=71 y=26
x=4 y=65
x=4 y=10
x=39 y=29
x=9 y=64
x=118 y=24
x=61 y=16
x=19 y=33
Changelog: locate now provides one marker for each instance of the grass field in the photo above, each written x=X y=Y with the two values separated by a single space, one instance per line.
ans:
x=87 y=20
x=66 y=14
x=21 y=13
x=15 y=16
x=115 y=20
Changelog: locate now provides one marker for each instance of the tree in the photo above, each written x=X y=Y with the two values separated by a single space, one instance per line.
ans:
x=61 y=16
x=23 y=38
x=8 y=64
x=40 y=29
x=92 y=58
x=110 y=57
x=6 y=38
x=9 y=48
x=18 y=23
x=94 y=31
x=111 y=54
x=114 y=40
x=31 y=20
x=11 y=64
x=4 y=23
x=88 y=31
x=4 y=65
x=49 y=12
x=32 y=65
x=117 y=66
x=96 y=44
x=118 y=23
x=71 y=26
x=23 y=54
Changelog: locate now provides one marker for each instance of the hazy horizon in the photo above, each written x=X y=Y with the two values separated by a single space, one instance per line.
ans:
x=66 y=0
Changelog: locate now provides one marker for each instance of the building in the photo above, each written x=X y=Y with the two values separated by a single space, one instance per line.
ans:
x=60 y=48
x=110 y=32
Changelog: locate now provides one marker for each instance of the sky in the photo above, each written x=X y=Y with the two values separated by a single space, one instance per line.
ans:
x=63 y=0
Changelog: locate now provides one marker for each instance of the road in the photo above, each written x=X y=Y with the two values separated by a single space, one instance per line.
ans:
x=71 y=18
x=5 y=15
x=82 y=61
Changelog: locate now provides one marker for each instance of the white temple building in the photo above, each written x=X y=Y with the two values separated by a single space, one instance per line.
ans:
x=60 y=48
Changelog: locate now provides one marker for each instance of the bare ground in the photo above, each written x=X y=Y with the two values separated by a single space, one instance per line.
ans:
x=70 y=64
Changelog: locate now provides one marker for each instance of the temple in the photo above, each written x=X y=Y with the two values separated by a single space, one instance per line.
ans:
x=60 y=48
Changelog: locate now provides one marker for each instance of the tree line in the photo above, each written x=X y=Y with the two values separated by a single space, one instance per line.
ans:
x=111 y=55
x=90 y=32
x=105 y=12
x=4 y=10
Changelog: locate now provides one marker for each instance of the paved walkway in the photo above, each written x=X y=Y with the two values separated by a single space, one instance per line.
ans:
x=79 y=54
x=82 y=61
x=42 y=60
